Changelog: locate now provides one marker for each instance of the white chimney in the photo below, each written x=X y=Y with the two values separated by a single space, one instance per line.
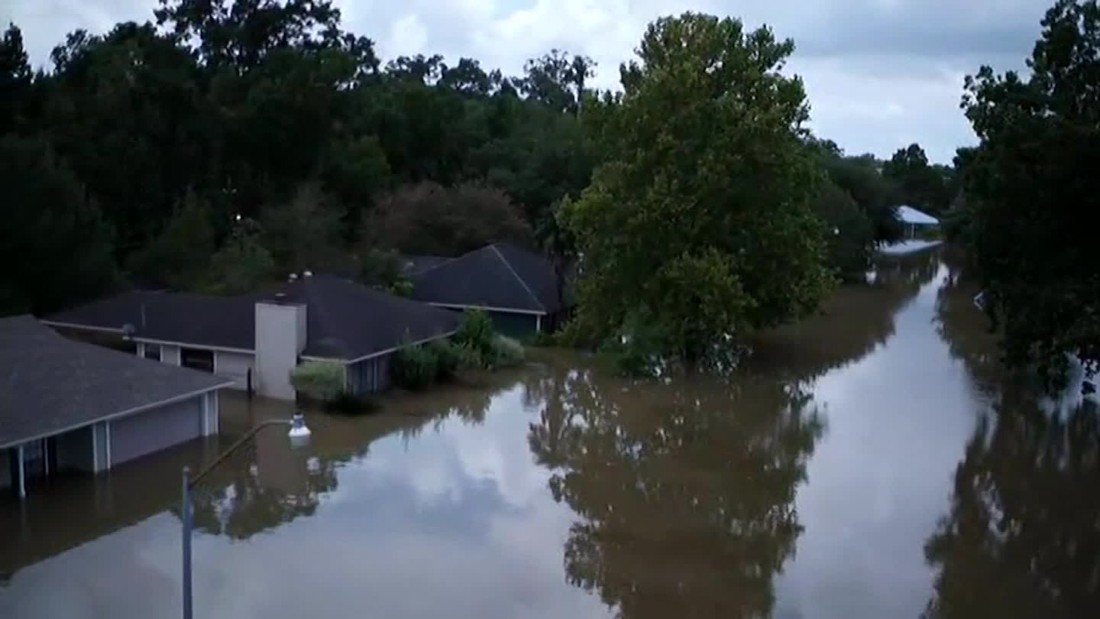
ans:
x=280 y=338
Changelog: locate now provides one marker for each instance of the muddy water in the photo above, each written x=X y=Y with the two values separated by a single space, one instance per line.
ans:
x=870 y=462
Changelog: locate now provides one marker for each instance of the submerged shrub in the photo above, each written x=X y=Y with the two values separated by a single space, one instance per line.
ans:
x=507 y=352
x=319 y=380
x=476 y=333
x=414 y=367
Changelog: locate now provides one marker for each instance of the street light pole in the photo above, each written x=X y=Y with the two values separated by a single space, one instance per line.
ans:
x=299 y=436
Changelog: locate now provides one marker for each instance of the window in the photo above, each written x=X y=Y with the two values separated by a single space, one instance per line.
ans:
x=197 y=359
x=152 y=351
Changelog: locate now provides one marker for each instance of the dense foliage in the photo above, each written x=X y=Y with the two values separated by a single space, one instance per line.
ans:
x=320 y=380
x=232 y=141
x=1028 y=186
x=708 y=142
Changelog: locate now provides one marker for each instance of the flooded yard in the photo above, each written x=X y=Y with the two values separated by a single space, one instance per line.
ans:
x=869 y=462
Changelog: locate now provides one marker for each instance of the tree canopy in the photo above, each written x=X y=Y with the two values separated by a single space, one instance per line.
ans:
x=707 y=141
x=1028 y=186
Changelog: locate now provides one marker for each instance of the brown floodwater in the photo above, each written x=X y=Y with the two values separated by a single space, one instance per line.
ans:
x=872 y=461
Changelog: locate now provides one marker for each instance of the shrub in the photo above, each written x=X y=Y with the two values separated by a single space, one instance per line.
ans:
x=477 y=335
x=415 y=367
x=320 y=380
x=507 y=352
x=447 y=359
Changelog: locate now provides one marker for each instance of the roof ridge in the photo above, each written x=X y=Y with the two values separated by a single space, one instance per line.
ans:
x=446 y=260
x=535 y=298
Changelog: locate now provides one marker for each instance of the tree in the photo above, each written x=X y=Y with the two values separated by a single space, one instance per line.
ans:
x=919 y=184
x=55 y=247
x=242 y=264
x=305 y=232
x=433 y=220
x=700 y=223
x=1031 y=184
x=180 y=255
x=850 y=232
x=15 y=77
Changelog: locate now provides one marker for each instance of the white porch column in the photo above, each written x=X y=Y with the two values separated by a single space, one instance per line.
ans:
x=21 y=472
x=538 y=323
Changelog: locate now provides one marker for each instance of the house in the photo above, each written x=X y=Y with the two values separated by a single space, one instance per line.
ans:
x=519 y=289
x=256 y=340
x=915 y=221
x=67 y=405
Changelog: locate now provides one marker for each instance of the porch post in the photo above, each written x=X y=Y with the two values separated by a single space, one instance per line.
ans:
x=21 y=472
x=538 y=323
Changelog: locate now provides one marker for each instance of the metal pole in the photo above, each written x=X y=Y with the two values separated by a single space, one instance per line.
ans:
x=185 y=506
x=185 y=502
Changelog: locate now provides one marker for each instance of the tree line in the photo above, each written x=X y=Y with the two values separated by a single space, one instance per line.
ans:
x=223 y=144
x=1026 y=190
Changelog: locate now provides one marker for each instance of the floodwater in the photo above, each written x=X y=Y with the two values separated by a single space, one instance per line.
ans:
x=870 y=462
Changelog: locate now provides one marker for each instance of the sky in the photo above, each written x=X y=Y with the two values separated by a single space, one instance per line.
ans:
x=880 y=74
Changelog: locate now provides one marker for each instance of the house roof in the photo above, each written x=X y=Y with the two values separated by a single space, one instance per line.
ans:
x=910 y=215
x=204 y=320
x=345 y=320
x=50 y=384
x=500 y=276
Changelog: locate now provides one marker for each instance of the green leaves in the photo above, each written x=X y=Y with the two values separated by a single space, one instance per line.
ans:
x=1030 y=186
x=700 y=221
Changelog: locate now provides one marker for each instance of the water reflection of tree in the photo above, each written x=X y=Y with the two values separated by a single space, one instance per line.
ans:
x=851 y=324
x=964 y=327
x=1022 y=538
x=685 y=492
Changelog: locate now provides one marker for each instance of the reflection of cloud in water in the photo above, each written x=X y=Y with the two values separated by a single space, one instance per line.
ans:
x=898 y=420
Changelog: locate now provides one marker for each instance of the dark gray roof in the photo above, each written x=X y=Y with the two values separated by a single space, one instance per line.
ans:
x=227 y=322
x=346 y=320
x=49 y=383
x=500 y=275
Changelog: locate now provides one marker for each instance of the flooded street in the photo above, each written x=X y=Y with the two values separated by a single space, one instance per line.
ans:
x=869 y=462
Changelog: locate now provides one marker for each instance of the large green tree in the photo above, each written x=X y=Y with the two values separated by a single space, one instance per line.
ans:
x=1031 y=184
x=919 y=184
x=55 y=247
x=699 y=226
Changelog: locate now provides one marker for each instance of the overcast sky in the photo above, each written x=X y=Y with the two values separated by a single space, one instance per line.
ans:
x=880 y=74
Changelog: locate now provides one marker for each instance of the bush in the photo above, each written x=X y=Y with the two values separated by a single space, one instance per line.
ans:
x=476 y=334
x=507 y=352
x=320 y=380
x=447 y=360
x=350 y=403
x=415 y=367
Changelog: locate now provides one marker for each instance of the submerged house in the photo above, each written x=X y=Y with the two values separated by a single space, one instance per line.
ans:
x=256 y=340
x=72 y=406
x=916 y=221
x=519 y=289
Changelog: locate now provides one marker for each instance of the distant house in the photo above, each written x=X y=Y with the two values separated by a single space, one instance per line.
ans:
x=67 y=405
x=257 y=340
x=518 y=288
x=915 y=221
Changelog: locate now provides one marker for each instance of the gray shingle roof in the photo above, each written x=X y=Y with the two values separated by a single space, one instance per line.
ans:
x=228 y=322
x=500 y=275
x=49 y=383
x=346 y=320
